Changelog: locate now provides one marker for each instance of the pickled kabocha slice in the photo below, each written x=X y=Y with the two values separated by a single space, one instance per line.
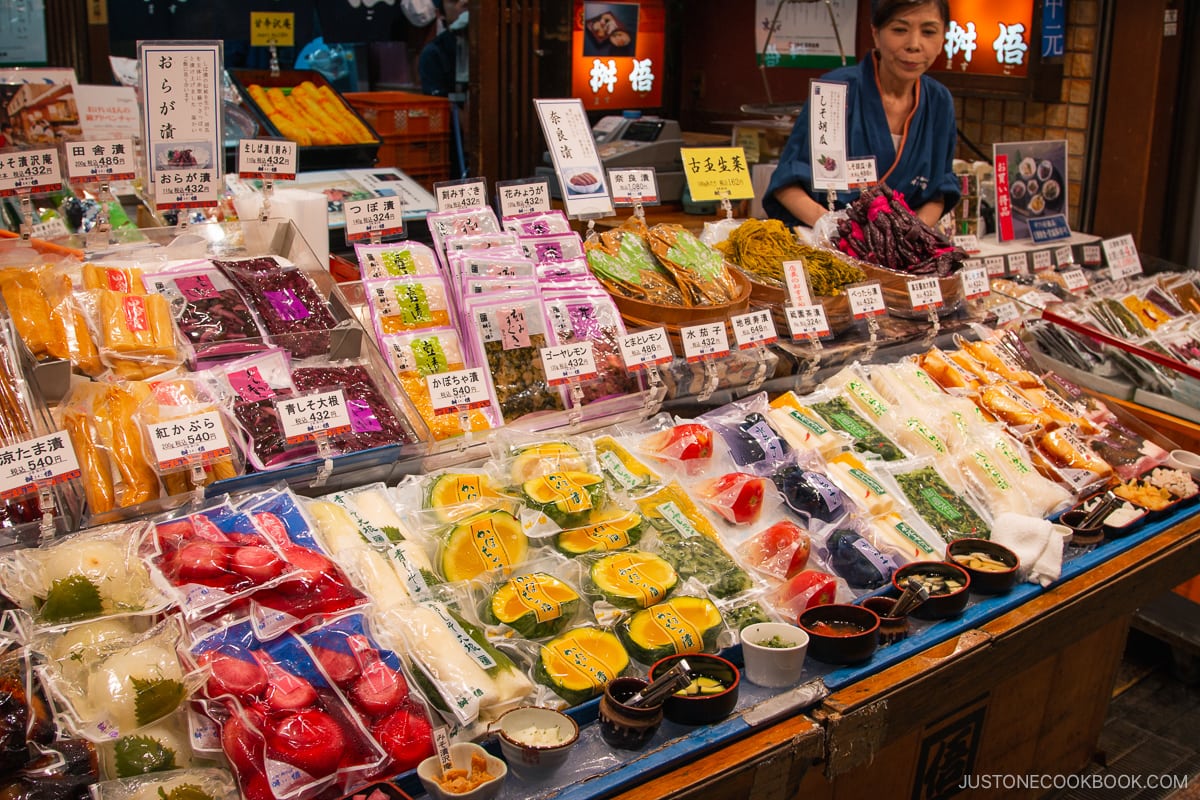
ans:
x=530 y=461
x=612 y=529
x=534 y=605
x=568 y=498
x=633 y=579
x=678 y=625
x=492 y=540
x=455 y=495
x=579 y=663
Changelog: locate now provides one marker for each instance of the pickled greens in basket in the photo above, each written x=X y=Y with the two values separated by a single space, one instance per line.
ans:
x=699 y=270
x=622 y=261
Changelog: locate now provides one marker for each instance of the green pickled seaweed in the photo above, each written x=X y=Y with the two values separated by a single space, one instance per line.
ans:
x=840 y=414
x=943 y=508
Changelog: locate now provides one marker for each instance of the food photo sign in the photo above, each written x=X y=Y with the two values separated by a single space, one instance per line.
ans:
x=1031 y=190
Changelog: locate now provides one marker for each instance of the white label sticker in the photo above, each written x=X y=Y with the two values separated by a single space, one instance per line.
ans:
x=924 y=293
x=1122 y=256
x=569 y=362
x=441 y=743
x=52 y=228
x=523 y=197
x=95 y=162
x=754 y=328
x=704 y=342
x=1075 y=280
x=47 y=459
x=975 y=282
x=994 y=265
x=631 y=186
x=380 y=216
x=35 y=171
x=267 y=158
x=645 y=347
x=1092 y=255
x=861 y=172
x=807 y=322
x=968 y=243
x=1064 y=255
x=1006 y=312
x=866 y=300
x=1018 y=263
x=797 y=283
x=182 y=442
x=458 y=391
x=1043 y=260
x=307 y=416
x=456 y=195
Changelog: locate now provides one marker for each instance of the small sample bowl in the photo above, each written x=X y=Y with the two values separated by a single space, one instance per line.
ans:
x=827 y=642
x=430 y=769
x=1080 y=536
x=938 y=606
x=1185 y=460
x=536 y=758
x=625 y=727
x=985 y=581
x=891 y=629
x=767 y=659
x=700 y=709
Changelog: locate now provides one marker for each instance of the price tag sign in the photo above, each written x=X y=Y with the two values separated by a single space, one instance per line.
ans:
x=866 y=299
x=375 y=215
x=35 y=171
x=1006 y=312
x=924 y=293
x=1043 y=260
x=1018 y=263
x=968 y=243
x=522 y=197
x=267 y=158
x=704 y=342
x=52 y=228
x=752 y=329
x=182 y=442
x=1063 y=255
x=1092 y=255
x=641 y=348
x=97 y=162
x=307 y=416
x=861 y=172
x=1122 y=256
x=807 y=322
x=716 y=172
x=457 y=195
x=272 y=28
x=46 y=459
x=1075 y=280
x=458 y=391
x=567 y=362
x=975 y=282
x=631 y=186
x=797 y=283
x=994 y=266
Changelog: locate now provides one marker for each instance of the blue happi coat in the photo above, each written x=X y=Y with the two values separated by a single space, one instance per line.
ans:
x=924 y=169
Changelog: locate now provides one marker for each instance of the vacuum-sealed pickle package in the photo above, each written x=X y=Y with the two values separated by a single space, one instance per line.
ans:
x=289 y=305
x=510 y=334
x=210 y=312
x=413 y=357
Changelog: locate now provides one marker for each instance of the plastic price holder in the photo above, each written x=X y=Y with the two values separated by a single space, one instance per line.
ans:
x=975 y=282
x=645 y=351
x=755 y=330
x=704 y=344
x=37 y=465
x=925 y=294
x=807 y=322
x=268 y=160
x=866 y=303
x=315 y=417
x=570 y=365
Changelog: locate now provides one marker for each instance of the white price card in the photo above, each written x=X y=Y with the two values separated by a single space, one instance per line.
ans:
x=52 y=228
x=1064 y=255
x=642 y=348
x=797 y=283
x=1075 y=280
x=308 y=416
x=753 y=328
x=924 y=293
x=638 y=185
x=182 y=132
x=457 y=195
x=866 y=300
x=807 y=322
x=33 y=171
x=101 y=162
x=1092 y=255
x=1122 y=256
x=704 y=342
x=975 y=282
x=572 y=149
x=968 y=243
x=47 y=460
x=1006 y=312
x=1043 y=260
x=375 y=216
x=458 y=391
x=184 y=441
x=267 y=158
x=523 y=197
x=994 y=266
x=1018 y=263
x=861 y=172
x=569 y=362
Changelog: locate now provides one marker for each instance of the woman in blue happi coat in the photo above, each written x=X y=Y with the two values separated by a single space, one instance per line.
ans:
x=893 y=111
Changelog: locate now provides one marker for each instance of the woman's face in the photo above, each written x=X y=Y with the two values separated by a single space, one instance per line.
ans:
x=910 y=42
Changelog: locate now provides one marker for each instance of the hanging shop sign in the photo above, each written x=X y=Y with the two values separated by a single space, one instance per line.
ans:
x=617 y=54
x=988 y=37
x=806 y=35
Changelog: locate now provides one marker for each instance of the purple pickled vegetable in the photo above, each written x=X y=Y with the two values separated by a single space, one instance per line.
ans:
x=371 y=418
x=292 y=311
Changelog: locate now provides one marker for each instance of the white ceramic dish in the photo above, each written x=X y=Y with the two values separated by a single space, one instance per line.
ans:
x=773 y=666
x=460 y=756
x=1185 y=460
x=536 y=741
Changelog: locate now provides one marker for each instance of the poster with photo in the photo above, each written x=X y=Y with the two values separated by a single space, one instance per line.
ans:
x=1031 y=189
x=38 y=114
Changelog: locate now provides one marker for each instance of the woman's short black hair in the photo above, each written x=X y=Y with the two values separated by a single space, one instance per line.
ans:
x=885 y=10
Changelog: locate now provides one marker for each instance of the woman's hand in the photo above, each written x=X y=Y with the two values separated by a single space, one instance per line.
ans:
x=801 y=204
x=929 y=213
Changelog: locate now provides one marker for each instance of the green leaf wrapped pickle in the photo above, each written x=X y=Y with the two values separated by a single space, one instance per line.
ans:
x=622 y=261
x=699 y=270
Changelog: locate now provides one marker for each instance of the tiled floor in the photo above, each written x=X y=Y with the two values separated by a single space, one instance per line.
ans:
x=1153 y=728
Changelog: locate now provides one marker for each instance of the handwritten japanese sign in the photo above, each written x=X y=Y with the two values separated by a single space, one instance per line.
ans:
x=573 y=152
x=714 y=173
x=376 y=216
x=827 y=134
x=1122 y=256
x=272 y=28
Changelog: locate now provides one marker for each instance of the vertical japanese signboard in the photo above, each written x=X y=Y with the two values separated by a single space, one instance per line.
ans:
x=181 y=95
x=573 y=151
x=827 y=134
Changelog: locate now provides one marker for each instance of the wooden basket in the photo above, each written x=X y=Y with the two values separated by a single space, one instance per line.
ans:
x=686 y=315
x=895 y=291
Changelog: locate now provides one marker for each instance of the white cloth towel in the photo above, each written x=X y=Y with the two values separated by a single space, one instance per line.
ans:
x=1037 y=542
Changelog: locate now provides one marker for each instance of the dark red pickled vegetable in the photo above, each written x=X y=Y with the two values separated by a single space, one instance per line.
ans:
x=293 y=312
